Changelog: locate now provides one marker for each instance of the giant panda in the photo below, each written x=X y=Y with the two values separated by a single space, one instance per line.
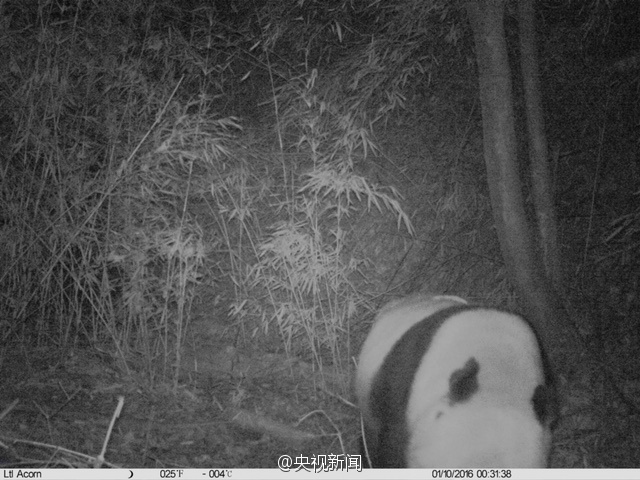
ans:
x=441 y=383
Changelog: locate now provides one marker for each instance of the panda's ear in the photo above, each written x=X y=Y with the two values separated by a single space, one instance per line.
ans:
x=546 y=405
x=463 y=382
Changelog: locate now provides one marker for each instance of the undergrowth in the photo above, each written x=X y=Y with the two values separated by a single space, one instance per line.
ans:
x=112 y=140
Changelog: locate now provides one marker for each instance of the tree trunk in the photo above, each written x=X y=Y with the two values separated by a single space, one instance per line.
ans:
x=505 y=188
x=541 y=178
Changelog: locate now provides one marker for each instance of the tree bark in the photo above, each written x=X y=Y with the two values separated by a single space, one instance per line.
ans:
x=505 y=188
x=541 y=178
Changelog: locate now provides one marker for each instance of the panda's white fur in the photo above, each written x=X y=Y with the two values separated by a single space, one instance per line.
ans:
x=444 y=384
